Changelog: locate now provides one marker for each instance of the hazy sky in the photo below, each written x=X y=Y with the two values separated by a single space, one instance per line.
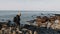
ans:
x=30 y=5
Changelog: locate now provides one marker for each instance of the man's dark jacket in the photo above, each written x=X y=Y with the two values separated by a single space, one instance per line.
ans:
x=17 y=20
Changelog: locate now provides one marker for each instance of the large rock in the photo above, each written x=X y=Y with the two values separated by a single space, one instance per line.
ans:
x=47 y=31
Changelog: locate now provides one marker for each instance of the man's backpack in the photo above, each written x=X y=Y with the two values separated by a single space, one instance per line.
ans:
x=14 y=20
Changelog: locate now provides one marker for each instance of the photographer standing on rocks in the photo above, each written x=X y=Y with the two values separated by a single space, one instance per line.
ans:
x=17 y=20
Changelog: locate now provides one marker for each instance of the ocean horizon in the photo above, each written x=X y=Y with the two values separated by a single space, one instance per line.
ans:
x=25 y=15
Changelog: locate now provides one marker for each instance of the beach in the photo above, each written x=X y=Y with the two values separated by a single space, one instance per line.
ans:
x=27 y=16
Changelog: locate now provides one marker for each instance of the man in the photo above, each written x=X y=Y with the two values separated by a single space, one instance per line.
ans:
x=17 y=19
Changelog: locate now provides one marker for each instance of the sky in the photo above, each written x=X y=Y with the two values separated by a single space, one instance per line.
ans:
x=45 y=5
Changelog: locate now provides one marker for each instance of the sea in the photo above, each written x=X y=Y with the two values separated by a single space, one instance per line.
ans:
x=25 y=15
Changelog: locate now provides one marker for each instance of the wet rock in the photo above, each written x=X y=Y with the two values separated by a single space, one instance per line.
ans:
x=47 y=31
